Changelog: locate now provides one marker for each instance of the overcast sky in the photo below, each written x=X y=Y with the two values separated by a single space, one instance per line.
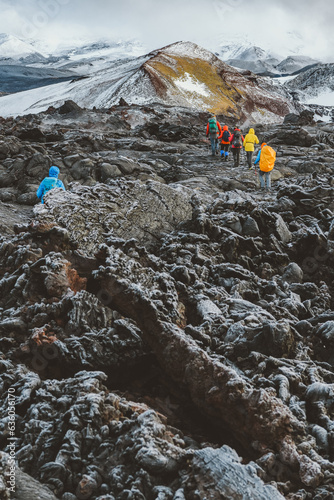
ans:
x=279 y=25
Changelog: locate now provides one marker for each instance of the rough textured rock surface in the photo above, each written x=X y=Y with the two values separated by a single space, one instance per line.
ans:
x=166 y=327
x=125 y=210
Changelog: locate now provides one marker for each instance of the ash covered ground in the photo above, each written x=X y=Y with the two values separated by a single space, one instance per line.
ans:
x=167 y=328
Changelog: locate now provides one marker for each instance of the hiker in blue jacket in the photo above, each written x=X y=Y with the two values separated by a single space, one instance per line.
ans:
x=49 y=183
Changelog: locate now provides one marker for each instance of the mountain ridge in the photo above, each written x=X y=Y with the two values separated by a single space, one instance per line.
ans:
x=12 y=50
x=179 y=74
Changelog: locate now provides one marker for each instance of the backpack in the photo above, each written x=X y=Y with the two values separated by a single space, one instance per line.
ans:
x=226 y=136
x=48 y=184
x=237 y=139
x=213 y=127
x=267 y=159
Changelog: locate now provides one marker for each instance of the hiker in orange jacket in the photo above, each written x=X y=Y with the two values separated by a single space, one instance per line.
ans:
x=213 y=131
x=236 y=141
x=225 y=144
x=266 y=160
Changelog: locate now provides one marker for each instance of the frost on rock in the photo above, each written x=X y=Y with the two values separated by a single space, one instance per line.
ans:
x=125 y=210
x=218 y=473
x=166 y=326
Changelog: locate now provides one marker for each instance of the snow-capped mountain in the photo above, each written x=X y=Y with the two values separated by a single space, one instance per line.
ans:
x=14 y=51
x=314 y=86
x=90 y=57
x=83 y=56
x=23 y=67
x=112 y=49
x=243 y=53
x=248 y=56
x=292 y=64
x=181 y=74
x=89 y=48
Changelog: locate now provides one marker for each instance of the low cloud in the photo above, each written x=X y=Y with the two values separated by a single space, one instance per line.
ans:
x=156 y=23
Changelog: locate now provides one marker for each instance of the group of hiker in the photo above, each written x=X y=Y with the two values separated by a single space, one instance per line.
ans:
x=222 y=139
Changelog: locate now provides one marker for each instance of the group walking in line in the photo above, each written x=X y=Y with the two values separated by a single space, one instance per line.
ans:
x=221 y=140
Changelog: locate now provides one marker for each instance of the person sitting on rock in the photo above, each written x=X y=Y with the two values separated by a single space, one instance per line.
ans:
x=266 y=159
x=49 y=183
x=236 y=141
x=248 y=144
x=225 y=144
x=213 y=131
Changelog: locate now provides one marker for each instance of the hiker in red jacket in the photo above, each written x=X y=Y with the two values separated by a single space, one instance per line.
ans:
x=236 y=141
x=225 y=144
x=213 y=131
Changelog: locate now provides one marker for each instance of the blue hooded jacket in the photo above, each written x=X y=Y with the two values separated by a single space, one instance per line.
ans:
x=258 y=157
x=49 y=183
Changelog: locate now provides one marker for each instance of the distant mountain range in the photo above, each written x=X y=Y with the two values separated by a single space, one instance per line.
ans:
x=239 y=79
x=181 y=74
x=14 y=51
x=262 y=62
x=24 y=67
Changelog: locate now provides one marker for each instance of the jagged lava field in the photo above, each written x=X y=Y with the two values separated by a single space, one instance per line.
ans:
x=167 y=327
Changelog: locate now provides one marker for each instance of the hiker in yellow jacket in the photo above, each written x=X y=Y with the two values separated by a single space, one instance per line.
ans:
x=248 y=144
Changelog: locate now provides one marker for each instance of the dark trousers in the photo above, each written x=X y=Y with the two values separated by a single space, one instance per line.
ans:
x=236 y=156
x=249 y=158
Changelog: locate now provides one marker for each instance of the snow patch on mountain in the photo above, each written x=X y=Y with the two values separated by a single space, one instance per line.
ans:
x=189 y=84
x=324 y=98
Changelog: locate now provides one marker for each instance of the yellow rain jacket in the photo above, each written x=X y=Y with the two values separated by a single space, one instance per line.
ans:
x=250 y=140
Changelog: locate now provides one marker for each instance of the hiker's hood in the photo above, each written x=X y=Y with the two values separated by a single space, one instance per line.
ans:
x=225 y=127
x=263 y=144
x=251 y=131
x=54 y=172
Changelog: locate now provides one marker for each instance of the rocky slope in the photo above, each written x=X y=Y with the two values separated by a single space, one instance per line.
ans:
x=181 y=74
x=166 y=327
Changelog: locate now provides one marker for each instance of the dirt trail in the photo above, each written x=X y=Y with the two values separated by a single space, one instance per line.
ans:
x=11 y=214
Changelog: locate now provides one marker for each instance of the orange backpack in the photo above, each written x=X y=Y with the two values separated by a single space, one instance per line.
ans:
x=267 y=159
